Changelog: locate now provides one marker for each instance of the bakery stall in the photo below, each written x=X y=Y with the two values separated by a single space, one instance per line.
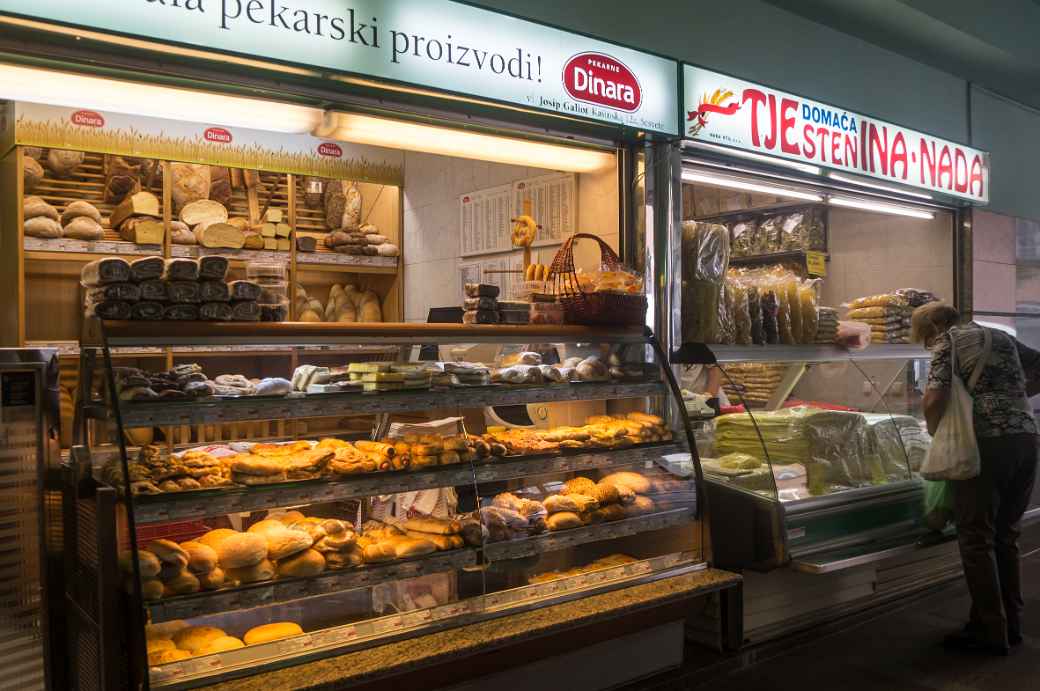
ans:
x=803 y=236
x=354 y=366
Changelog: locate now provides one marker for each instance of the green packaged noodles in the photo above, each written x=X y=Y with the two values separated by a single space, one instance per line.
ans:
x=744 y=238
x=705 y=260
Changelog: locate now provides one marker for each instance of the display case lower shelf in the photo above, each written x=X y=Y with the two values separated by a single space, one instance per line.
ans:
x=564 y=539
x=74 y=250
x=217 y=502
x=215 y=411
x=272 y=592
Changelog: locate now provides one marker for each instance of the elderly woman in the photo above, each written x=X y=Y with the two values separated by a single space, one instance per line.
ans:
x=988 y=508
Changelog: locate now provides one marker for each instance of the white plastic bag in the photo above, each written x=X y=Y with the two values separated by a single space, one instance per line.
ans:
x=954 y=454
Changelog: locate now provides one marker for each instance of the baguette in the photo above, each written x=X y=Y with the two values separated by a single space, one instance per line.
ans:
x=437 y=526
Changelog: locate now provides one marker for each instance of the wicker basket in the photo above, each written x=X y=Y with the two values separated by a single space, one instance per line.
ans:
x=593 y=309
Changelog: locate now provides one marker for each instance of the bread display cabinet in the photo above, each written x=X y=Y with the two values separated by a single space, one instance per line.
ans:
x=471 y=497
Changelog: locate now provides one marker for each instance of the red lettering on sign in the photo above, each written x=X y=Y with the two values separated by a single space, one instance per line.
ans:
x=88 y=118
x=976 y=175
x=899 y=154
x=757 y=98
x=788 y=110
x=330 y=149
x=599 y=79
x=960 y=167
x=217 y=134
x=945 y=168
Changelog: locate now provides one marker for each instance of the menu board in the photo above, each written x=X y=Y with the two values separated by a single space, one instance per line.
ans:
x=477 y=272
x=485 y=216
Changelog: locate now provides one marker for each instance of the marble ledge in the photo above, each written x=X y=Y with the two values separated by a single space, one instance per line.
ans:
x=399 y=657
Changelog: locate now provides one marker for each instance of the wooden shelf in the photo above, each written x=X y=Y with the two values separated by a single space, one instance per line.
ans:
x=65 y=249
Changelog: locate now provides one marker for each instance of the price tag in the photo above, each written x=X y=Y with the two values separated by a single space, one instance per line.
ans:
x=449 y=611
x=419 y=618
x=334 y=637
x=296 y=644
x=167 y=672
x=388 y=625
x=816 y=263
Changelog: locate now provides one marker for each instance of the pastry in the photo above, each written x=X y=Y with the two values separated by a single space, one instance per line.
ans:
x=183 y=583
x=634 y=481
x=169 y=552
x=220 y=645
x=214 y=537
x=262 y=571
x=573 y=503
x=201 y=557
x=578 y=485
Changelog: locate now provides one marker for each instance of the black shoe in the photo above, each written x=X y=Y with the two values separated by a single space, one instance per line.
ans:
x=968 y=642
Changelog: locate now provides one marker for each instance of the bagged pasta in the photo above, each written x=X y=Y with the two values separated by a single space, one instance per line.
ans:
x=744 y=238
x=754 y=301
x=877 y=312
x=739 y=311
x=882 y=300
x=771 y=235
x=705 y=260
x=770 y=305
x=807 y=306
x=792 y=232
x=726 y=333
x=816 y=231
x=791 y=283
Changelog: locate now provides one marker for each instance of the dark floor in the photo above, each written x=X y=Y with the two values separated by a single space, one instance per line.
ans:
x=895 y=651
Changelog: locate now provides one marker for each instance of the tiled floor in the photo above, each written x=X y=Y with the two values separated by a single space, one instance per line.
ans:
x=899 y=651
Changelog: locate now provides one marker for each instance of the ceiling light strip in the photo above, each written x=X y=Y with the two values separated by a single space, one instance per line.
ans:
x=880 y=208
x=771 y=160
x=738 y=184
x=863 y=183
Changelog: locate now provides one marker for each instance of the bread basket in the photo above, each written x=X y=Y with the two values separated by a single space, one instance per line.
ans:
x=593 y=308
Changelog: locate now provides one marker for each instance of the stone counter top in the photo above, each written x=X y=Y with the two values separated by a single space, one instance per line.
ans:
x=398 y=657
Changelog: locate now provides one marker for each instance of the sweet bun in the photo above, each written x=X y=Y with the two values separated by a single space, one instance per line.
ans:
x=149 y=563
x=578 y=485
x=574 y=503
x=195 y=638
x=166 y=656
x=625 y=494
x=271 y=632
x=151 y=589
x=241 y=550
x=168 y=551
x=309 y=562
x=563 y=520
x=166 y=629
x=264 y=571
x=183 y=583
x=284 y=543
x=215 y=537
x=220 y=645
x=634 y=481
x=201 y=558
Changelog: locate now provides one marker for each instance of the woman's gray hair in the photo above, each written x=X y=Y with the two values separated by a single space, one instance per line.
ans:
x=931 y=320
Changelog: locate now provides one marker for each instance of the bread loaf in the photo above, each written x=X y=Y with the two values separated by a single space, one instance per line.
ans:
x=379 y=551
x=220 y=185
x=214 y=537
x=218 y=234
x=262 y=571
x=32 y=173
x=194 y=638
x=83 y=228
x=342 y=205
x=313 y=191
x=414 y=547
x=191 y=182
x=42 y=227
x=63 y=163
x=344 y=559
x=201 y=558
x=36 y=207
x=212 y=580
x=221 y=645
x=285 y=543
x=80 y=208
x=240 y=550
x=142 y=230
x=303 y=564
x=203 y=211
x=169 y=552
x=634 y=481
x=369 y=309
x=136 y=204
x=124 y=175
x=271 y=632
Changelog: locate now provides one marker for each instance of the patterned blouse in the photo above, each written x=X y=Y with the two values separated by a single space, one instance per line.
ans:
x=1001 y=406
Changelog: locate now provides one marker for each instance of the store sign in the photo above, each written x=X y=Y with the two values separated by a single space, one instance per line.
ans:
x=732 y=112
x=444 y=45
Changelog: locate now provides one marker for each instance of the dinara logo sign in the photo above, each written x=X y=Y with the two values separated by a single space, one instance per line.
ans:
x=218 y=135
x=603 y=81
x=330 y=149
x=88 y=118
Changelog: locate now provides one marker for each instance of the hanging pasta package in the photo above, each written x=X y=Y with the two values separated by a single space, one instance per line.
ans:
x=770 y=314
x=754 y=300
x=726 y=333
x=705 y=260
x=807 y=303
x=739 y=311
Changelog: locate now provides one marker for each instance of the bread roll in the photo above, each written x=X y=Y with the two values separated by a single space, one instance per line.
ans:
x=36 y=207
x=290 y=517
x=148 y=563
x=166 y=629
x=634 y=481
x=169 y=552
x=264 y=571
x=214 y=537
x=212 y=580
x=151 y=589
x=157 y=645
x=268 y=525
x=413 y=547
x=183 y=583
x=574 y=503
x=309 y=562
x=241 y=550
x=80 y=208
x=167 y=656
x=578 y=485
x=563 y=521
x=83 y=228
x=220 y=645
x=439 y=526
x=194 y=638
x=345 y=559
x=285 y=543
x=32 y=173
x=271 y=632
x=201 y=557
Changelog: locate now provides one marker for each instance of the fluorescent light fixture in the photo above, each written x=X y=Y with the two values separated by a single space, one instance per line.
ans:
x=887 y=188
x=79 y=91
x=772 y=160
x=445 y=141
x=738 y=184
x=880 y=208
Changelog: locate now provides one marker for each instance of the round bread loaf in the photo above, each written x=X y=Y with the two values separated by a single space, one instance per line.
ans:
x=32 y=173
x=41 y=227
x=83 y=228
x=271 y=632
x=578 y=485
x=168 y=551
x=220 y=645
x=563 y=520
x=266 y=526
x=264 y=571
x=194 y=638
x=214 y=537
x=151 y=589
x=285 y=543
x=201 y=558
x=80 y=208
x=241 y=550
x=37 y=207
x=309 y=562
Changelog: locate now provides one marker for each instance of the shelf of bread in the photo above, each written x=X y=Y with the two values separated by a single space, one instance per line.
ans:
x=285 y=590
x=125 y=333
x=298 y=405
x=545 y=589
x=219 y=501
x=72 y=349
x=69 y=249
x=332 y=261
x=564 y=538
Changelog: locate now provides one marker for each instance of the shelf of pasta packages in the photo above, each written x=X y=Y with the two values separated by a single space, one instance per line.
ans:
x=699 y=354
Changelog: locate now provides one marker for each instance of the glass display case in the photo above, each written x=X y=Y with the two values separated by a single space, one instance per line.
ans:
x=411 y=495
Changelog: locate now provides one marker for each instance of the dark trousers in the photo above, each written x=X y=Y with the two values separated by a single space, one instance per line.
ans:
x=989 y=511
